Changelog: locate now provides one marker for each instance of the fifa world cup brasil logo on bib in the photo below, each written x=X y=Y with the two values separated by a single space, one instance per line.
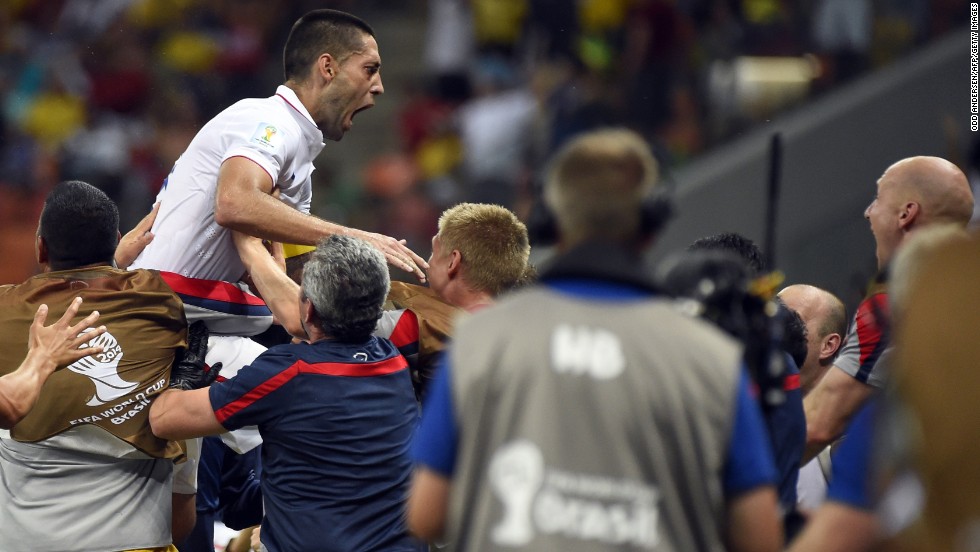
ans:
x=103 y=370
x=538 y=500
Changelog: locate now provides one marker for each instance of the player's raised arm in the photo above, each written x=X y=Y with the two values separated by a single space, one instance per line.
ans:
x=244 y=203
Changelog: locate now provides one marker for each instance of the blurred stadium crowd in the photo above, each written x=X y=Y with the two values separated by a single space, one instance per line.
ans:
x=111 y=91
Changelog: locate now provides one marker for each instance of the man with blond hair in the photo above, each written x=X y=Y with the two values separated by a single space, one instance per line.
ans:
x=483 y=251
x=480 y=251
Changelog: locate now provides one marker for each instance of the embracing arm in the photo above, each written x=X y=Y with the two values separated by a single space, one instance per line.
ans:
x=135 y=241
x=244 y=203
x=49 y=347
x=279 y=292
x=830 y=407
x=178 y=414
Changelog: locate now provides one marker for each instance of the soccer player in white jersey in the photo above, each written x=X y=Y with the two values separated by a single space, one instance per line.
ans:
x=249 y=169
x=225 y=179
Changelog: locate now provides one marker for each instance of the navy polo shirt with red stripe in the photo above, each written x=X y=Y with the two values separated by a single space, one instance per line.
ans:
x=336 y=421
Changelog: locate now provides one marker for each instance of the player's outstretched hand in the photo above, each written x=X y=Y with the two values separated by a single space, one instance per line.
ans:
x=61 y=343
x=396 y=252
x=136 y=240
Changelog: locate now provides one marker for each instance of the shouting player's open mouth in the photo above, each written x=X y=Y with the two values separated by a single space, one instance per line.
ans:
x=350 y=122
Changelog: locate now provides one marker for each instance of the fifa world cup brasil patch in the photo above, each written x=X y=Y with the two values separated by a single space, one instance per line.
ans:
x=267 y=135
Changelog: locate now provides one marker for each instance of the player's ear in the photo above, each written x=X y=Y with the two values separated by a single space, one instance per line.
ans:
x=909 y=214
x=829 y=346
x=455 y=262
x=41 y=250
x=326 y=66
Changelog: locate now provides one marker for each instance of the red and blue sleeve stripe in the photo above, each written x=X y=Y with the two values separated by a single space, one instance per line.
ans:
x=405 y=336
x=870 y=327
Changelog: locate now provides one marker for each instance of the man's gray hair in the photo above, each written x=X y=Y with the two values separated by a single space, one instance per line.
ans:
x=347 y=281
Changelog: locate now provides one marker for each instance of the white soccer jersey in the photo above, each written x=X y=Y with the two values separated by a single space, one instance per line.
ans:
x=278 y=134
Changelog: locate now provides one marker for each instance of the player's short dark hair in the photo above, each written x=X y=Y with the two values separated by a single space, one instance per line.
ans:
x=794 y=333
x=335 y=32
x=736 y=243
x=80 y=225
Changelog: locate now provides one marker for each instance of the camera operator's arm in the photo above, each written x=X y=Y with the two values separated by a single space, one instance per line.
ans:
x=428 y=504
